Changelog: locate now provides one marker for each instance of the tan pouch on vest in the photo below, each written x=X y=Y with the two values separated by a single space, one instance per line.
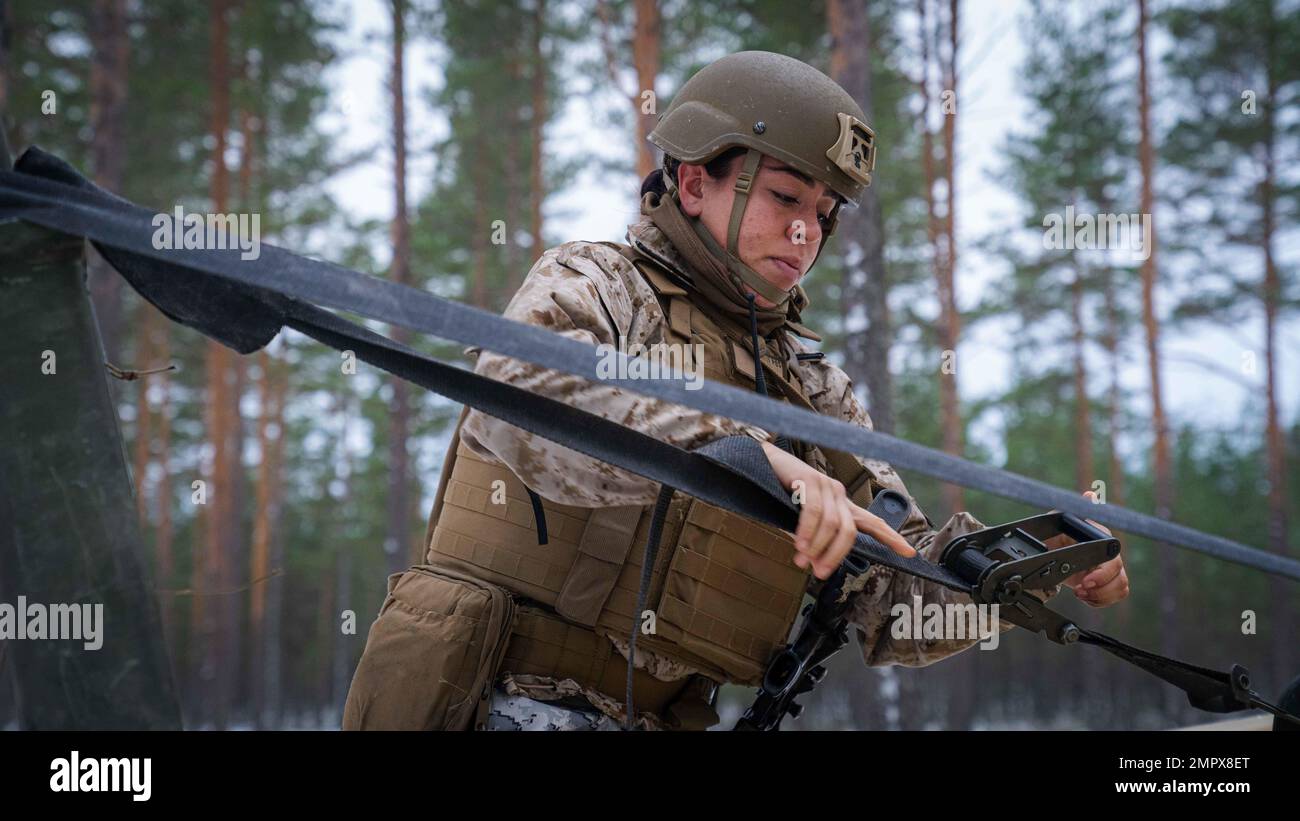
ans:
x=731 y=592
x=432 y=654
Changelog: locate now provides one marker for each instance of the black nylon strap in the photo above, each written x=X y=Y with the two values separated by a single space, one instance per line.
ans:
x=59 y=198
x=1209 y=690
x=732 y=472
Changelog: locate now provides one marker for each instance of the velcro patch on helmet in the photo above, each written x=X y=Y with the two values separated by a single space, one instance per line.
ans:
x=855 y=150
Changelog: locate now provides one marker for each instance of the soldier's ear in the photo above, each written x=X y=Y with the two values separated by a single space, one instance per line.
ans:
x=690 y=187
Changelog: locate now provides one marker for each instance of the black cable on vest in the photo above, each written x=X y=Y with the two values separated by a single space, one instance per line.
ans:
x=539 y=515
x=647 y=570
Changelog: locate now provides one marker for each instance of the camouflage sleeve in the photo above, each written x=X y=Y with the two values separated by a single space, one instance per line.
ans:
x=573 y=291
x=876 y=608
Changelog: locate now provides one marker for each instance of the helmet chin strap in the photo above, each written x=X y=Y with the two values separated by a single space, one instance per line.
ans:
x=743 y=183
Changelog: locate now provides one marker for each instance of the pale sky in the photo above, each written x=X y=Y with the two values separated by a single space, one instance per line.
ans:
x=599 y=208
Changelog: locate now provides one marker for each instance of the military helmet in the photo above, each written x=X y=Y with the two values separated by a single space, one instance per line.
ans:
x=776 y=105
x=779 y=106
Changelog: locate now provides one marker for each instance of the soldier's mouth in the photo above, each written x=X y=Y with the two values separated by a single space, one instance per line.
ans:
x=787 y=271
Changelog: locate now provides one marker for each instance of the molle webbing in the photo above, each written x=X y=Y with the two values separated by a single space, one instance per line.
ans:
x=546 y=645
x=723 y=594
x=577 y=572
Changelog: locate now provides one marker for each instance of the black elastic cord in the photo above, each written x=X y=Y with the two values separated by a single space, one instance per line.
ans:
x=760 y=383
x=647 y=570
x=539 y=514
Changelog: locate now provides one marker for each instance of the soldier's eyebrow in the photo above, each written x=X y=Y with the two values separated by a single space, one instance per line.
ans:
x=802 y=177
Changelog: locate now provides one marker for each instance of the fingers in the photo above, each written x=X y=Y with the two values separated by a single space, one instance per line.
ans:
x=1076 y=579
x=1105 y=594
x=810 y=519
x=876 y=527
x=1099 y=575
x=1103 y=574
x=828 y=526
x=832 y=496
x=840 y=545
x=820 y=536
x=1093 y=578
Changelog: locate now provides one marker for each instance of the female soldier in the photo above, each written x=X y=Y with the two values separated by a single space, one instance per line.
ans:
x=760 y=153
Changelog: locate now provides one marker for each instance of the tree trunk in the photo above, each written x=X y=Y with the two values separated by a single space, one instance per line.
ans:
x=949 y=324
x=143 y=416
x=1111 y=342
x=400 y=549
x=163 y=536
x=479 y=242
x=508 y=116
x=934 y=226
x=865 y=279
x=234 y=556
x=260 y=564
x=110 y=46
x=646 y=48
x=1275 y=443
x=536 y=190
x=271 y=686
x=1164 y=490
x=1084 y=471
x=325 y=625
x=1115 y=478
x=209 y=610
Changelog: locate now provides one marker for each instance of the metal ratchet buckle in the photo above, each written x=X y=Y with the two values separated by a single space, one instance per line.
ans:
x=1004 y=563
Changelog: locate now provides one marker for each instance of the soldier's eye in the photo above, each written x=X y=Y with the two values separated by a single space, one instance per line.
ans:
x=785 y=199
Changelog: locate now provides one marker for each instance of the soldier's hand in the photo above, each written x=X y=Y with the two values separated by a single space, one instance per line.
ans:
x=1100 y=586
x=828 y=520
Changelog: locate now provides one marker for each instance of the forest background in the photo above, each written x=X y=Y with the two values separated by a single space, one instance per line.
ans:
x=446 y=144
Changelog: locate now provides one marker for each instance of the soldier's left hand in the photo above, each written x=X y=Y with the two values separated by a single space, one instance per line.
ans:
x=1100 y=586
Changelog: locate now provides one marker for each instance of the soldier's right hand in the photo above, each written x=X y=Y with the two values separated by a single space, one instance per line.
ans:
x=829 y=521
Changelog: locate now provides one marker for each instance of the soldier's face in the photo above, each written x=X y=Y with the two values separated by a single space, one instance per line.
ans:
x=783 y=222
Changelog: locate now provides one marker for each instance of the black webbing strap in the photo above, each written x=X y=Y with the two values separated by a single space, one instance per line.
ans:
x=700 y=473
x=46 y=191
x=1209 y=690
x=244 y=303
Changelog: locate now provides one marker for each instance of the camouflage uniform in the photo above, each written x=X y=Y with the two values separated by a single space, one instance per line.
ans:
x=590 y=292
